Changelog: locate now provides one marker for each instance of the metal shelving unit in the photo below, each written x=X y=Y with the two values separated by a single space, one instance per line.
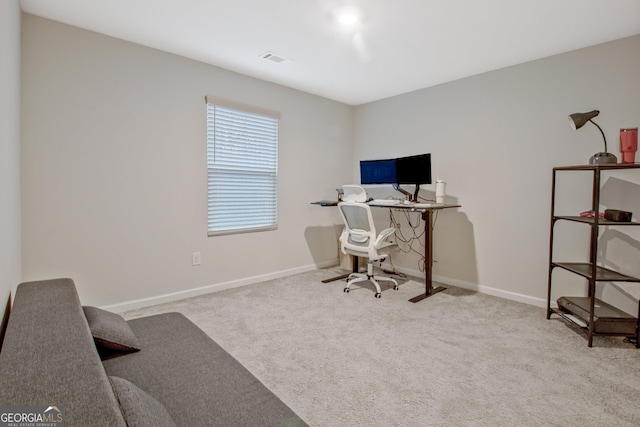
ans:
x=592 y=315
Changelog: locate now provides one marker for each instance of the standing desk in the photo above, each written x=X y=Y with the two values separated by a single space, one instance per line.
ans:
x=427 y=218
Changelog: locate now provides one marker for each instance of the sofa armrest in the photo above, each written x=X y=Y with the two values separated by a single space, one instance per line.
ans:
x=49 y=357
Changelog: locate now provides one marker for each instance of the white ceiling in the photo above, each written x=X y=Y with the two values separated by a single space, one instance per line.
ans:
x=398 y=47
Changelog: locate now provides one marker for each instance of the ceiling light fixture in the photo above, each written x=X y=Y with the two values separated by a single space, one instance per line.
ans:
x=347 y=18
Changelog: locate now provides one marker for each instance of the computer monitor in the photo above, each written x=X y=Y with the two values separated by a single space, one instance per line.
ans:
x=378 y=171
x=414 y=170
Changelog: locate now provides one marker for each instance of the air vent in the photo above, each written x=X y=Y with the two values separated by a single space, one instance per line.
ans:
x=270 y=56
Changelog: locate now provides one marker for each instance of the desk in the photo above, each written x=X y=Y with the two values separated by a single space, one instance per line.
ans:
x=427 y=217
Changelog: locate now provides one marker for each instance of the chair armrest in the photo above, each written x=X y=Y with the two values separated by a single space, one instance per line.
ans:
x=343 y=237
x=384 y=234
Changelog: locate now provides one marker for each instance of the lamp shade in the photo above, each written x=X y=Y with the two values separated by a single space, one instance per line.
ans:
x=577 y=120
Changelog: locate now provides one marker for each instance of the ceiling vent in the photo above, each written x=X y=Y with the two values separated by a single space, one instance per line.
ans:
x=270 y=56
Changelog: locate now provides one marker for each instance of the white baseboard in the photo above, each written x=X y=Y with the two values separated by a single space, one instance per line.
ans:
x=513 y=296
x=329 y=263
x=175 y=296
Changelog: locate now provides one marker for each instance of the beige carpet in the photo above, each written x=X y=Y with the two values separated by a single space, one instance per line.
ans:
x=458 y=358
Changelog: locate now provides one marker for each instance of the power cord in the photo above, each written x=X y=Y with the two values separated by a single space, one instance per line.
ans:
x=393 y=270
x=406 y=242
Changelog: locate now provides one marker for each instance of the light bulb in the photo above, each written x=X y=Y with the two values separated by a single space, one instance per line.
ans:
x=348 y=18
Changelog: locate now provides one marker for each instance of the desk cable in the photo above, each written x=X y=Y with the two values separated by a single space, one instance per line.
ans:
x=405 y=243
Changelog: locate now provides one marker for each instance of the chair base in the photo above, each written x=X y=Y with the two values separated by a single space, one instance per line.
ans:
x=360 y=277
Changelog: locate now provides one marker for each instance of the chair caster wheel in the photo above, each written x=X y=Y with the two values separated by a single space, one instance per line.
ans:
x=378 y=295
x=346 y=290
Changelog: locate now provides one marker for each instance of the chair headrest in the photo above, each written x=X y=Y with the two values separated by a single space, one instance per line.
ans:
x=354 y=193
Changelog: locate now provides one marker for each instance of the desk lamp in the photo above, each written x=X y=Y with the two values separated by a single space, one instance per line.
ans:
x=577 y=120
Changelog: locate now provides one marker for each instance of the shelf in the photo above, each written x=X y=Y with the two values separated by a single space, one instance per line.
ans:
x=602 y=274
x=602 y=167
x=590 y=314
x=591 y=221
x=607 y=320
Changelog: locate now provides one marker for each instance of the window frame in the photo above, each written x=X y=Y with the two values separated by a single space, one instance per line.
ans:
x=267 y=172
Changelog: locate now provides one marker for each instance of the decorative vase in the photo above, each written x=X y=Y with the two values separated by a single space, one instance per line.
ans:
x=628 y=144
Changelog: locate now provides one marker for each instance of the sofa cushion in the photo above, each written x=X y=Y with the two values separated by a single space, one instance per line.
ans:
x=198 y=382
x=111 y=333
x=138 y=408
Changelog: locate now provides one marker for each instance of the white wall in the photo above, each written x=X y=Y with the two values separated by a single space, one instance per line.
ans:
x=114 y=178
x=10 y=269
x=114 y=169
x=495 y=138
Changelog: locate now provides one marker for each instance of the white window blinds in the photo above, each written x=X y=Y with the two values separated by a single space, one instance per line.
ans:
x=242 y=165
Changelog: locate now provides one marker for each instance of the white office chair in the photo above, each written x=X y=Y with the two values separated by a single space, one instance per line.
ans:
x=359 y=238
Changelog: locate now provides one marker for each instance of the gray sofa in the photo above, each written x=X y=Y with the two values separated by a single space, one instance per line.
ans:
x=176 y=375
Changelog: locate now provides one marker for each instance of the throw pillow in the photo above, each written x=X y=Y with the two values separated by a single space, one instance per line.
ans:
x=111 y=333
x=137 y=407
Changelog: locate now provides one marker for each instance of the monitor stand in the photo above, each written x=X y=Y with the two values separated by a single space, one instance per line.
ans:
x=412 y=197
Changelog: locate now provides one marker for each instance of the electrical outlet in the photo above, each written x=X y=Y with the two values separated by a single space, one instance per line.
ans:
x=196 y=258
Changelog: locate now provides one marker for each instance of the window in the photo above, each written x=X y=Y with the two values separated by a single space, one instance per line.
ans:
x=242 y=166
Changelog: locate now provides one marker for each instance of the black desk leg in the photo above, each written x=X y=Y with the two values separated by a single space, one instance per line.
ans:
x=355 y=269
x=427 y=217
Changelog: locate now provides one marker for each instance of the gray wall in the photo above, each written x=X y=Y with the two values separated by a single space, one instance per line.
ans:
x=114 y=169
x=114 y=181
x=495 y=138
x=10 y=273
